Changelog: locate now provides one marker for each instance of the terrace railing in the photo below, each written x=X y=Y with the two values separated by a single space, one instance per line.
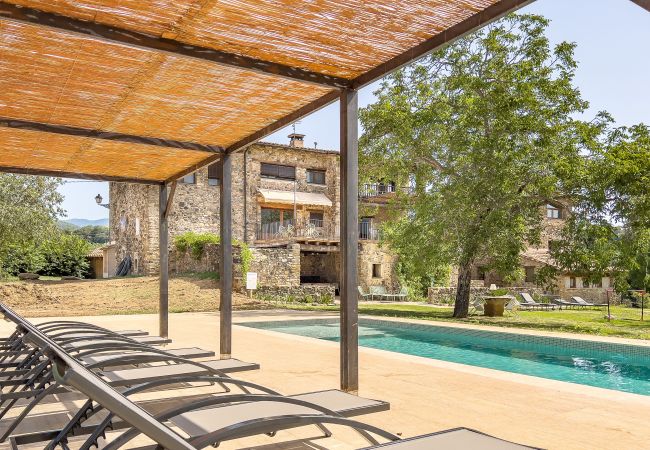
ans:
x=287 y=230
x=369 y=231
x=376 y=190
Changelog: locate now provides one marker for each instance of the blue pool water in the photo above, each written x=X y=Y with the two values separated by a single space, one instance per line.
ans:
x=611 y=366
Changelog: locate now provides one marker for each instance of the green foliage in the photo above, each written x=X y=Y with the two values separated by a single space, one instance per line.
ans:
x=29 y=207
x=95 y=234
x=609 y=233
x=196 y=242
x=65 y=254
x=60 y=254
x=27 y=257
x=499 y=292
x=484 y=131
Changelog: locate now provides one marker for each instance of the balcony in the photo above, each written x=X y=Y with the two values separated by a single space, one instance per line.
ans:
x=370 y=190
x=368 y=231
x=311 y=230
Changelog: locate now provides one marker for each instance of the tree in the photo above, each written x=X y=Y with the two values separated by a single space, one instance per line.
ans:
x=484 y=132
x=95 y=234
x=29 y=207
x=609 y=232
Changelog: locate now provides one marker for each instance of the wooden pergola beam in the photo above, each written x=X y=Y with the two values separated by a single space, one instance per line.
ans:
x=106 y=135
x=148 y=42
x=80 y=176
x=309 y=108
x=645 y=4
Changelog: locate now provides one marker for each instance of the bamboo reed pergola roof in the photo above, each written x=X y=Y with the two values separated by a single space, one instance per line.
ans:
x=150 y=91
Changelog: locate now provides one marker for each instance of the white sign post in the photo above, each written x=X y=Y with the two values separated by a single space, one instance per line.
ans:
x=251 y=282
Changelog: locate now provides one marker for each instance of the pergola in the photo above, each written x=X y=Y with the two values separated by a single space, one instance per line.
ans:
x=147 y=92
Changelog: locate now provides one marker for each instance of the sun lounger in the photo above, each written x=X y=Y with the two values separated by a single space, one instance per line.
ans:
x=363 y=295
x=377 y=292
x=563 y=303
x=211 y=420
x=131 y=377
x=402 y=294
x=454 y=439
x=583 y=302
x=529 y=303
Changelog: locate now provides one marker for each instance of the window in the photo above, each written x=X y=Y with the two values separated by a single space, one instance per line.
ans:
x=481 y=272
x=279 y=216
x=573 y=283
x=376 y=270
x=552 y=212
x=315 y=176
x=278 y=171
x=189 y=179
x=213 y=174
x=316 y=218
x=530 y=274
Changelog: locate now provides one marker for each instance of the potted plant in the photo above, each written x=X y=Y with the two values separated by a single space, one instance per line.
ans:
x=495 y=302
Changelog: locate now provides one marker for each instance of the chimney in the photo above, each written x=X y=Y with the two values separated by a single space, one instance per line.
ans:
x=297 y=140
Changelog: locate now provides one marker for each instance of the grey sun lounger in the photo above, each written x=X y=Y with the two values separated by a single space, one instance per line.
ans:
x=140 y=375
x=198 y=422
x=529 y=302
x=583 y=302
x=454 y=439
x=188 y=353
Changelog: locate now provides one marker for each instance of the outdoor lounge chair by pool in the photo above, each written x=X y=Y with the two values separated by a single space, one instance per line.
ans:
x=529 y=303
x=402 y=295
x=363 y=295
x=563 y=303
x=583 y=302
x=378 y=292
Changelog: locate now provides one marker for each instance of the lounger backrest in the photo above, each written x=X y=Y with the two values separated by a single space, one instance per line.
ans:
x=527 y=298
x=579 y=300
x=379 y=290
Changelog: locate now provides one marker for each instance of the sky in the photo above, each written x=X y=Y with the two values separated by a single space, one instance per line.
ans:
x=614 y=63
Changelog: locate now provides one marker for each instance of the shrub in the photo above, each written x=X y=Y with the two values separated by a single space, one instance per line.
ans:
x=65 y=254
x=17 y=258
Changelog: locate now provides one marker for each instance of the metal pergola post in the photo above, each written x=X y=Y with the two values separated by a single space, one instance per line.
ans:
x=163 y=251
x=225 y=266
x=349 y=240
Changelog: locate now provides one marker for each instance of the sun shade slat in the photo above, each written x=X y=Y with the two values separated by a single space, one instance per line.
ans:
x=38 y=151
x=59 y=78
x=343 y=38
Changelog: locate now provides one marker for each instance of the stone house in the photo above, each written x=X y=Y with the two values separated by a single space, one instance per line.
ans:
x=535 y=257
x=285 y=207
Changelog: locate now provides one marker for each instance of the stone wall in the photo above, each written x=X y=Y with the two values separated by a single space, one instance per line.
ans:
x=134 y=225
x=446 y=295
x=184 y=262
x=277 y=266
x=320 y=267
x=302 y=159
x=370 y=253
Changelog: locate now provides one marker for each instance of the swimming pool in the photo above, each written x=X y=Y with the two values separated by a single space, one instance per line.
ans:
x=601 y=364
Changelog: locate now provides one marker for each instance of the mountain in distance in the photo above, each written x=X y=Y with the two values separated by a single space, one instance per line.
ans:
x=78 y=223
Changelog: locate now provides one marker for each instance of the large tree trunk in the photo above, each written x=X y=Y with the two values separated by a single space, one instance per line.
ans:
x=461 y=306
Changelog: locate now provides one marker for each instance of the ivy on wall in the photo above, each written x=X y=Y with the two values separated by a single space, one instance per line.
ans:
x=196 y=242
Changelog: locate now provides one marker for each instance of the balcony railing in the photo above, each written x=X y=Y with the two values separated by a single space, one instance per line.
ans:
x=288 y=229
x=311 y=229
x=376 y=190
x=368 y=231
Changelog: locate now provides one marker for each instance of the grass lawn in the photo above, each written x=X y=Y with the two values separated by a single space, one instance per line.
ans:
x=626 y=321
